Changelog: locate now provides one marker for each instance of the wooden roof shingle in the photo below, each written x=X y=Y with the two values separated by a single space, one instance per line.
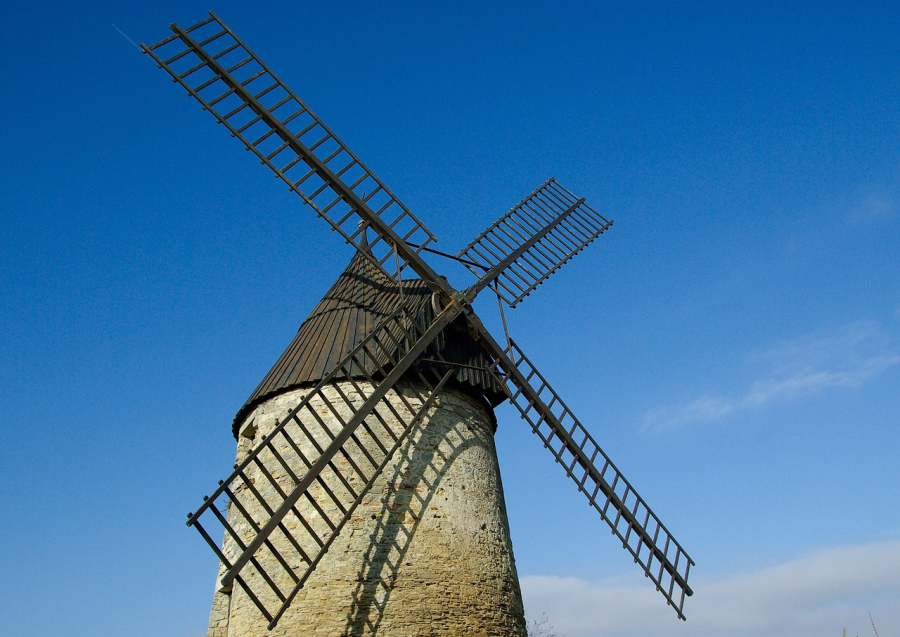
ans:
x=360 y=298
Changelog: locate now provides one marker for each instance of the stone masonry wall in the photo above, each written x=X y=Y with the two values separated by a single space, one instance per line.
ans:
x=428 y=550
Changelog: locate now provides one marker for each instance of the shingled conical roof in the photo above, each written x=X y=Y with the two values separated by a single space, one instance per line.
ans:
x=361 y=297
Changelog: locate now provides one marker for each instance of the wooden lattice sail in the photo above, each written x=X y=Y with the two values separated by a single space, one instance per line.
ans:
x=365 y=454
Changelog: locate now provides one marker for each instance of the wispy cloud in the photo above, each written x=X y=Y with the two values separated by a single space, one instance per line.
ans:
x=814 y=595
x=875 y=206
x=845 y=359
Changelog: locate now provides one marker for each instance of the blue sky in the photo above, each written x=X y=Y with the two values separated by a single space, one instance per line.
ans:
x=733 y=342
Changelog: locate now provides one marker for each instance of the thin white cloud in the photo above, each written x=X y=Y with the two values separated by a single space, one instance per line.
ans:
x=810 y=381
x=816 y=595
x=845 y=359
x=703 y=409
x=875 y=207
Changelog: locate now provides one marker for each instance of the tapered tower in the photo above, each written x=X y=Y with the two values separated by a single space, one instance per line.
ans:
x=427 y=551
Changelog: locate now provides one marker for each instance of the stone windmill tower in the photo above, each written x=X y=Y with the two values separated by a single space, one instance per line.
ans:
x=366 y=497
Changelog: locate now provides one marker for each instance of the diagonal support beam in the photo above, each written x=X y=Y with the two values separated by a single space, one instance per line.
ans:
x=437 y=326
x=432 y=397
x=416 y=262
x=519 y=269
x=622 y=511
x=470 y=293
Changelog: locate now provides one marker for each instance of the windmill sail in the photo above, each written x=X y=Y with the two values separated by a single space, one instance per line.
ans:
x=289 y=497
x=642 y=533
x=244 y=95
x=286 y=502
x=532 y=241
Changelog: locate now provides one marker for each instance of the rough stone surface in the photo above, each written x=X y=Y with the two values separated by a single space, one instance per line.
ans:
x=428 y=550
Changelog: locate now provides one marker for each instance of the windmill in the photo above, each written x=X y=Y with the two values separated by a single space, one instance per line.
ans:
x=366 y=496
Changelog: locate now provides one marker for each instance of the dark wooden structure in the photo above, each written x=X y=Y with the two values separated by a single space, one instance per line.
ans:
x=380 y=324
x=362 y=297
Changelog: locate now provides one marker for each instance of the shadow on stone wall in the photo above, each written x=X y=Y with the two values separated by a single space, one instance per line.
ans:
x=410 y=490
